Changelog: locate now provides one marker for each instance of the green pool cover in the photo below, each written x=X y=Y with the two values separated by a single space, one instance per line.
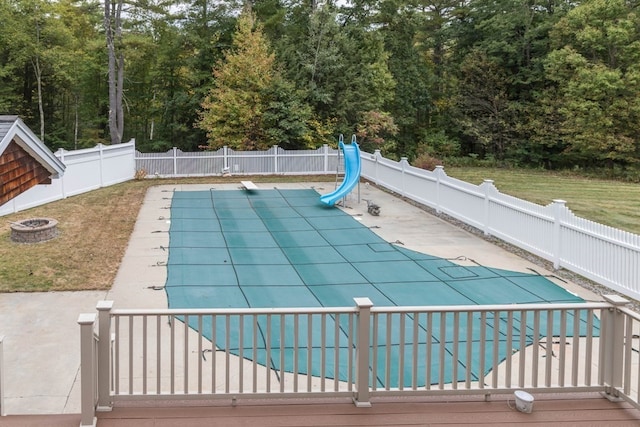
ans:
x=283 y=248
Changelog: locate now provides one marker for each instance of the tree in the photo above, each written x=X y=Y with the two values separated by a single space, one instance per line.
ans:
x=233 y=111
x=113 y=34
x=596 y=71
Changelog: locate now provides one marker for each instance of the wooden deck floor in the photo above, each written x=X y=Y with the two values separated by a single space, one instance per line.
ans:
x=561 y=410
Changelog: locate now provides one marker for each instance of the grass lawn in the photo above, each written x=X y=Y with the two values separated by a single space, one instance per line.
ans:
x=94 y=232
x=95 y=226
x=612 y=203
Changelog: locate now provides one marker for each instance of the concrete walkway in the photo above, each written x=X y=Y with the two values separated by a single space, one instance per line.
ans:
x=42 y=338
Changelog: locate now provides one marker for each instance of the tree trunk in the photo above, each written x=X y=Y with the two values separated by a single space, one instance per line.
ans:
x=113 y=32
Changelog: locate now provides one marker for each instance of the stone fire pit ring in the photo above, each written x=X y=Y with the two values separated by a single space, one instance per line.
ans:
x=34 y=230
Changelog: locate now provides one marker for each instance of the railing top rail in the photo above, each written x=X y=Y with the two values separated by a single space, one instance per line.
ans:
x=494 y=307
x=630 y=312
x=233 y=311
x=375 y=309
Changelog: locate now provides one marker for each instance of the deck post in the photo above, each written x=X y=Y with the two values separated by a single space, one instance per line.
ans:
x=87 y=370
x=613 y=345
x=361 y=396
x=104 y=352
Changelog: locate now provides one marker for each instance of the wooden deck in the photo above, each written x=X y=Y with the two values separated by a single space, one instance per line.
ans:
x=561 y=410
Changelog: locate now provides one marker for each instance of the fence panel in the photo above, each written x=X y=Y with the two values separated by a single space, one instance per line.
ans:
x=85 y=170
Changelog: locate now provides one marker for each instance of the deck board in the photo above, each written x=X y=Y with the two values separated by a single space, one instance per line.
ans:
x=561 y=410
x=585 y=409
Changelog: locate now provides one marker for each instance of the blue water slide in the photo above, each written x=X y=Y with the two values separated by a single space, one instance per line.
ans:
x=352 y=167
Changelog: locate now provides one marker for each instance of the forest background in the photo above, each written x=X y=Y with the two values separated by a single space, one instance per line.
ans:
x=520 y=83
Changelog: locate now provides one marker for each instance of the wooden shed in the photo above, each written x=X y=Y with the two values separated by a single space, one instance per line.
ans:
x=24 y=160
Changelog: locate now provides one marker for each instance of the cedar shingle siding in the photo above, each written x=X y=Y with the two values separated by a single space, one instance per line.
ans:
x=19 y=172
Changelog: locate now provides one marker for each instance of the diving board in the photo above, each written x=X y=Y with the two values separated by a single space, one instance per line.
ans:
x=249 y=185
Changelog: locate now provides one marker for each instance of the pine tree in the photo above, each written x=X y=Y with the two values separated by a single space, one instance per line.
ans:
x=233 y=111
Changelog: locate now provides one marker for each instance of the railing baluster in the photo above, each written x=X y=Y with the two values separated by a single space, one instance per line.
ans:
x=589 y=348
x=524 y=315
x=442 y=349
x=309 y=351
x=117 y=356
x=483 y=349
x=575 y=354
x=429 y=350
x=254 y=354
x=496 y=349
x=628 y=351
x=375 y=350
x=336 y=352
x=414 y=351
x=158 y=353
x=227 y=352
x=563 y=348
x=402 y=333
x=388 y=352
x=351 y=346
x=549 y=353
x=296 y=351
x=267 y=346
x=536 y=348
x=509 y=349
x=185 y=355
x=469 y=351
x=282 y=348
x=241 y=354
x=214 y=353
x=144 y=354
x=172 y=361
x=455 y=352
x=323 y=348
x=200 y=354
x=130 y=350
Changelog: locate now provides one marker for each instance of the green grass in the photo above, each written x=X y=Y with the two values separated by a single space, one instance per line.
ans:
x=612 y=203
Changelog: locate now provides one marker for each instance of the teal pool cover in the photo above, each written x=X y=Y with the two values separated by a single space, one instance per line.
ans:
x=284 y=248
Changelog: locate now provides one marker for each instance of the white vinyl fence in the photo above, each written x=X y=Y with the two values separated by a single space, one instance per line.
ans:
x=86 y=170
x=275 y=161
x=603 y=254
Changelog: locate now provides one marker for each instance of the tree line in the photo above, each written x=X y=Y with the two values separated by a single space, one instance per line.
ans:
x=542 y=83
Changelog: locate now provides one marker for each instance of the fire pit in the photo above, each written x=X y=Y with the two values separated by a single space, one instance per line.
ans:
x=34 y=230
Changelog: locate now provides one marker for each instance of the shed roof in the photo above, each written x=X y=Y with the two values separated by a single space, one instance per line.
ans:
x=12 y=128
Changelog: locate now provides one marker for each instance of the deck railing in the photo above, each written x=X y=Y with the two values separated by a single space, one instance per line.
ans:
x=360 y=352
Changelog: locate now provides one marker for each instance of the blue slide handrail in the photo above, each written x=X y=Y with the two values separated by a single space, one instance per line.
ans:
x=352 y=168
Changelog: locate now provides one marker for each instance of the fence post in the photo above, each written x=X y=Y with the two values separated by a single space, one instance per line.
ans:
x=2 y=408
x=487 y=184
x=100 y=148
x=361 y=397
x=613 y=345
x=404 y=161
x=275 y=159
x=87 y=370
x=104 y=355
x=60 y=155
x=377 y=154
x=558 y=208
x=439 y=171
x=175 y=161
x=326 y=157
